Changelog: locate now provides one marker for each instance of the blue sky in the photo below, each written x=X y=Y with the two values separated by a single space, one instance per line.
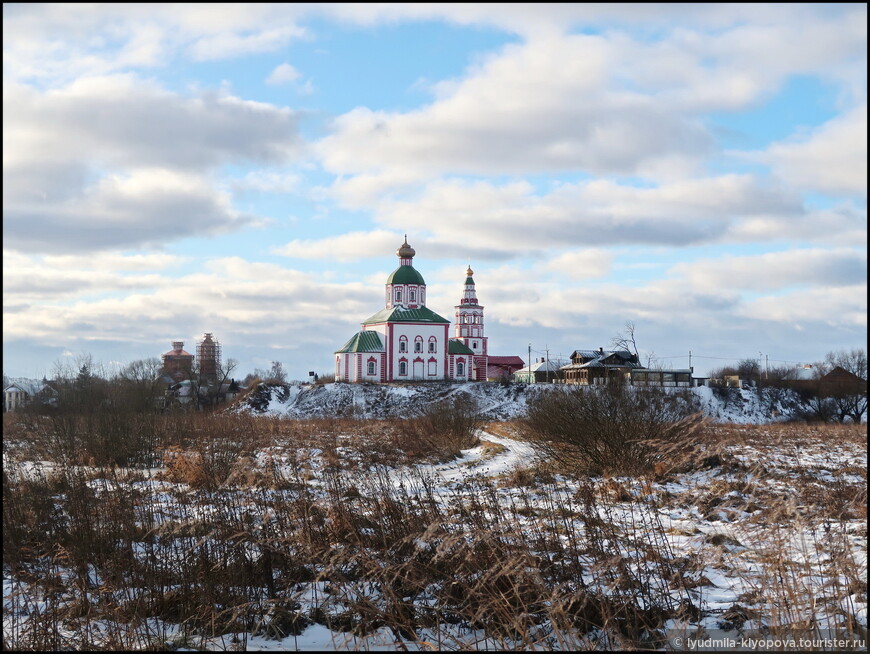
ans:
x=250 y=170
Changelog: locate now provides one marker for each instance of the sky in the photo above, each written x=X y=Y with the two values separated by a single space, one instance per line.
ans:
x=250 y=170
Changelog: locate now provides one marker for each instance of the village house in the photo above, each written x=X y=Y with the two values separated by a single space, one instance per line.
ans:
x=591 y=367
x=503 y=368
x=22 y=392
x=541 y=371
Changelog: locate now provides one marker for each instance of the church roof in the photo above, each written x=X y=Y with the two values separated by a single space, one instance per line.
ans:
x=401 y=314
x=458 y=347
x=405 y=275
x=364 y=341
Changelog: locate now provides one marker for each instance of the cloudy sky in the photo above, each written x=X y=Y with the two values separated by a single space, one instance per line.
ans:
x=249 y=170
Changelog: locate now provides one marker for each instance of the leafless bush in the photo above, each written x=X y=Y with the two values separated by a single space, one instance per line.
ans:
x=442 y=430
x=614 y=428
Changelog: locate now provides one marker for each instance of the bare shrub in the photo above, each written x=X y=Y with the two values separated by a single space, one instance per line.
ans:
x=442 y=430
x=614 y=428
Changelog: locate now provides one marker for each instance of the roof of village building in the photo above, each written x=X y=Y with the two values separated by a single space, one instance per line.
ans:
x=598 y=359
x=600 y=362
x=544 y=365
x=29 y=386
x=364 y=341
x=401 y=314
x=505 y=361
x=594 y=354
x=458 y=347
x=177 y=352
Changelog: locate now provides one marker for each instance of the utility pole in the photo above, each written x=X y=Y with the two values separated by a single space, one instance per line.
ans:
x=690 y=359
x=547 y=350
x=530 y=363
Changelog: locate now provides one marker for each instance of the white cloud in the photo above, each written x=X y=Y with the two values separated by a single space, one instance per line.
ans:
x=283 y=74
x=835 y=307
x=141 y=174
x=582 y=264
x=352 y=246
x=227 y=45
x=777 y=270
x=548 y=105
x=831 y=159
x=269 y=182
x=480 y=219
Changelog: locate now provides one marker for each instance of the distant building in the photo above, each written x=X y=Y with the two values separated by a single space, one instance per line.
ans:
x=407 y=341
x=177 y=364
x=540 y=371
x=22 y=392
x=208 y=354
x=679 y=378
x=502 y=368
x=590 y=367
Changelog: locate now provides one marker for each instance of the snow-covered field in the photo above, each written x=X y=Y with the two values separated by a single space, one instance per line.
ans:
x=495 y=400
x=310 y=543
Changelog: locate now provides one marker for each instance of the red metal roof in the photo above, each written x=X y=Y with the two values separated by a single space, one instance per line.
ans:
x=505 y=361
x=177 y=353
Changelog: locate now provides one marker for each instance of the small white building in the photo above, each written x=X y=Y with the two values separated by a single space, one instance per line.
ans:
x=541 y=371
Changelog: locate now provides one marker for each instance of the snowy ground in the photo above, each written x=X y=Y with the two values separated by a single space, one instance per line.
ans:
x=496 y=401
x=772 y=503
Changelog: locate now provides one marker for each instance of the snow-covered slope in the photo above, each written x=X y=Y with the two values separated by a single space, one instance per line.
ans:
x=496 y=401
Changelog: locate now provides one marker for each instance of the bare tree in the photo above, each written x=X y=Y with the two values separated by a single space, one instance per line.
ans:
x=854 y=361
x=837 y=398
x=625 y=340
x=276 y=373
x=138 y=383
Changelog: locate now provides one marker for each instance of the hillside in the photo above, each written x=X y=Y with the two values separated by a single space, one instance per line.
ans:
x=497 y=401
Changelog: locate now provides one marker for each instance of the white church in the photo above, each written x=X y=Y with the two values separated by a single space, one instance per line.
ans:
x=407 y=341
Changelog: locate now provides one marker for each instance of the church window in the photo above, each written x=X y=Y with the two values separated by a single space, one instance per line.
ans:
x=475 y=345
x=371 y=369
x=460 y=369
x=418 y=344
x=432 y=345
x=432 y=368
x=412 y=296
x=398 y=295
x=403 y=344
x=403 y=368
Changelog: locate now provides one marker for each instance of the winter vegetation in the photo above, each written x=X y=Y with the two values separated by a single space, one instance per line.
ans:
x=447 y=516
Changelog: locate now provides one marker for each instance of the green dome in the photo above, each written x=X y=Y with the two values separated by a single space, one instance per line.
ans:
x=405 y=275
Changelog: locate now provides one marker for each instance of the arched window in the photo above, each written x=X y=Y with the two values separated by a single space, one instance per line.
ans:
x=433 y=345
x=371 y=367
x=418 y=344
x=398 y=295
x=412 y=295
x=403 y=368
x=475 y=345
x=460 y=369
x=403 y=344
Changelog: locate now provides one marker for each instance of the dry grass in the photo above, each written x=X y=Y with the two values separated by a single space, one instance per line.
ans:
x=264 y=526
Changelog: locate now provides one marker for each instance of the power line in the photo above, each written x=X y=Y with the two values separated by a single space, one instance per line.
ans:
x=694 y=356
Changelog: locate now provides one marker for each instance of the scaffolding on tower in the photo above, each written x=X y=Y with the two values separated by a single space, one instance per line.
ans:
x=208 y=354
